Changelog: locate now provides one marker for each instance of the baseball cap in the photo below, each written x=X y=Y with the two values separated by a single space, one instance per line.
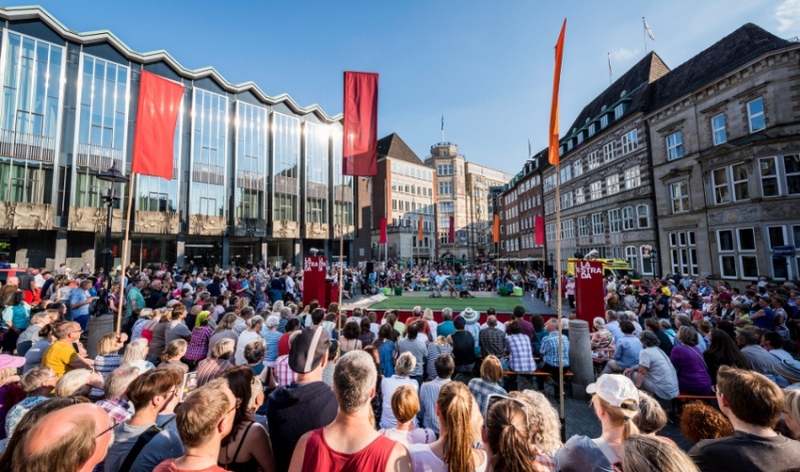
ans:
x=307 y=348
x=614 y=389
x=7 y=360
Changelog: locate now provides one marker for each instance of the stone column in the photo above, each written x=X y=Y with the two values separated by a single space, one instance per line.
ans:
x=97 y=327
x=226 y=251
x=180 y=251
x=580 y=358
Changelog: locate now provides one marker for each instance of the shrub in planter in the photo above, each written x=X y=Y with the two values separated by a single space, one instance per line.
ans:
x=503 y=292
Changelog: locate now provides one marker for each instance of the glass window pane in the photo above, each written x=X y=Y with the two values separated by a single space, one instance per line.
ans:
x=725 y=240
x=747 y=239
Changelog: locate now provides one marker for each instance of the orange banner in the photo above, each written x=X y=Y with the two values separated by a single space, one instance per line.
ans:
x=419 y=229
x=553 y=146
x=496 y=232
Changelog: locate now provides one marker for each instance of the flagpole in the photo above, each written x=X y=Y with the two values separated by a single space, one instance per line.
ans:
x=125 y=249
x=610 y=71
x=644 y=32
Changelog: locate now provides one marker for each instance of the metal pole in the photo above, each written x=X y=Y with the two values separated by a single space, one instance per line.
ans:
x=107 y=251
x=558 y=294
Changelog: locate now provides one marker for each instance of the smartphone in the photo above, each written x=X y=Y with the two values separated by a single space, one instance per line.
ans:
x=189 y=384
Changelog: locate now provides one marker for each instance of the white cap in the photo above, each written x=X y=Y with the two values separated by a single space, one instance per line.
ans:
x=614 y=389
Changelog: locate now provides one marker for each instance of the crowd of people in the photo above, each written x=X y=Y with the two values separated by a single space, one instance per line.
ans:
x=217 y=370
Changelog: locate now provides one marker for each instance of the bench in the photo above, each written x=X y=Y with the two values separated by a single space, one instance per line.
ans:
x=685 y=398
x=540 y=373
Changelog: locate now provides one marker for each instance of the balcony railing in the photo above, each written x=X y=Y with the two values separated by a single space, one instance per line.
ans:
x=250 y=180
x=32 y=147
x=208 y=174
x=98 y=157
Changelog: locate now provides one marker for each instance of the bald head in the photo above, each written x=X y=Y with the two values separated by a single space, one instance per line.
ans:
x=75 y=438
x=491 y=321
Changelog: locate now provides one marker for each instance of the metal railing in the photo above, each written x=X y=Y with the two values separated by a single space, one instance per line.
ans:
x=208 y=173
x=32 y=147
x=98 y=157
x=250 y=180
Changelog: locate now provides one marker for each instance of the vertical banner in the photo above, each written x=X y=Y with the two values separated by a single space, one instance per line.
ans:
x=589 y=297
x=314 y=270
x=553 y=137
x=383 y=231
x=157 y=115
x=496 y=228
x=419 y=230
x=538 y=226
x=452 y=234
x=360 y=124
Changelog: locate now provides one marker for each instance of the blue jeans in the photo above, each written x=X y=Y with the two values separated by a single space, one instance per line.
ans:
x=82 y=320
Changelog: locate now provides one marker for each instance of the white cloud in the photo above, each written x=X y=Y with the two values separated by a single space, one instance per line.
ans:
x=623 y=54
x=788 y=15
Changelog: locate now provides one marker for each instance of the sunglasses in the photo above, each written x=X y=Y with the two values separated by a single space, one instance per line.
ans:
x=236 y=406
x=495 y=397
x=114 y=424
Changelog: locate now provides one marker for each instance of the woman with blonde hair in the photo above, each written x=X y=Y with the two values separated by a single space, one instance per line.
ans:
x=791 y=411
x=545 y=425
x=453 y=451
x=107 y=358
x=488 y=383
x=78 y=382
x=145 y=315
x=224 y=330
x=427 y=315
x=171 y=359
x=135 y=355
x=208 y=369
x=616 y=404
x=643 y=453
x=405 y=406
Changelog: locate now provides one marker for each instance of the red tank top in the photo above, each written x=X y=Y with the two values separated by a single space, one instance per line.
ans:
x=320 y=456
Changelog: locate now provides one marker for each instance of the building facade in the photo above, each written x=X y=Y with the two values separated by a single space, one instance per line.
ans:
x=255 y=177
x=726 y=160
x=606 y=194
x=520 y=204
x=404 y=194
x=463 y=197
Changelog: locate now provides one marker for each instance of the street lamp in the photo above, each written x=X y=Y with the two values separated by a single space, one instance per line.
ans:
x=113 y=176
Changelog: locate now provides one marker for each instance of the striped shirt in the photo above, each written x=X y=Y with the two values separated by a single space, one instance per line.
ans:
x=481 y=390
x=428 y=395
x=209 y=369
x=434 y=351
x=284 y=375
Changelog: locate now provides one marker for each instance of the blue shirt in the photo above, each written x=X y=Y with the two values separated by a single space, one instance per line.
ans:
x=613 y=326
x=271 y=338
x=550 y=349
x=79 y=296
x=627 y=351
x=386 y=356
x=446 y=328
x=765 y=322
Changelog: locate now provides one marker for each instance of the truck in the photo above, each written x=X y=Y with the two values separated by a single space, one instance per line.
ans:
x=619 y=268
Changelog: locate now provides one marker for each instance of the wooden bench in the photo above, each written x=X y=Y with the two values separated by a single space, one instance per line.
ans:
x=540 y=373
x=683 y=398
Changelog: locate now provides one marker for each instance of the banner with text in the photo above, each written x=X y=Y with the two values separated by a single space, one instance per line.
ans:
x=314 y=270
x=589 y=296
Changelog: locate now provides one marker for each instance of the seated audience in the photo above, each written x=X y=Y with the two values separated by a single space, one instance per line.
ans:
x=655 y=372
x=429 y=392
x=723 y=351
x=488 y=383
x=402 y=376
x=651 y=418
x=693 y=378
x=405 y=406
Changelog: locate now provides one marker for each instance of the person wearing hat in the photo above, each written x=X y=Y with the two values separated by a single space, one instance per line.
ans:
x=306 y=404
x=616 y=404
x=473 y=327
x=790 y=370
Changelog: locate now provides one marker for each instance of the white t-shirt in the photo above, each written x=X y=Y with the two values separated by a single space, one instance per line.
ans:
x=663 y=379
x=409 y=438
x=424 y=460
x=244 y=338
x=388 y=386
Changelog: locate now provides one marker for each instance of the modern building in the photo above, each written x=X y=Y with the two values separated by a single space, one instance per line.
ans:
x=726 y=159
x=520 y=204
x=463 y=197
x=606 y=191
x=404 y=193
x=255 y=177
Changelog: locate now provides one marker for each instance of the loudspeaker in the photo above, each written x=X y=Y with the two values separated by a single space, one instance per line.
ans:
x=370 y=267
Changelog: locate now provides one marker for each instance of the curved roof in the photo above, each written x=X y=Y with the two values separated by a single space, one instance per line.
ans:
x=105 y=36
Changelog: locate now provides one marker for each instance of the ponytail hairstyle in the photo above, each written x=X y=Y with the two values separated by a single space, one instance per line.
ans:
x=455 y=410
x=621 y=416
x=508 y=436
x=174 y=350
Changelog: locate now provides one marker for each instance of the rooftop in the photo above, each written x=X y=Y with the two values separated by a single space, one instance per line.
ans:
x=394 y=147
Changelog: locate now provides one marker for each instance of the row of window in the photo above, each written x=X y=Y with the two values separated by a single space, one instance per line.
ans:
x=446 y=188
x=405 y=205
x=410 y=188
x=619 y=219
x=401 y=168
x=613 y=184
x=532 y=182
x=628 y=143
x=618 y=111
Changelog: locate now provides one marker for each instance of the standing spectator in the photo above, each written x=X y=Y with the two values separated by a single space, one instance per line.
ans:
x=272 y=337
x=429 y=392
x=306 y=404
x=626 y=353
x=463 y=347
x=387 y=351
x=655 y=372
x=350 y=342
x=413 y=344
x=177 y=328
x=80 y=301
x=488 y=383
x=403 y=368
x=433 y=326
x=350 y=443
x=220 y=361
x=27 y=283
x=492 y=340
x=453 y=450
x=753 y=404
x=446 y=327
x=689 y=364
x=150 y=393
x=254 y=326
x=61 y=356
x=58 y=441
x=207 y=416
x=134 y=298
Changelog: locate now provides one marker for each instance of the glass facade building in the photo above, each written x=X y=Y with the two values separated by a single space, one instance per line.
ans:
x=255 y=178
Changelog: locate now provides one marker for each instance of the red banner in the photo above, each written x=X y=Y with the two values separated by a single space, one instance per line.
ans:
x=157 y=115
x=419 y=230
x=496 y=228
x=538 y=225
x=314 y=270
x=452 y=235
x=360 y=130
x=589 y=297
x=383 y=231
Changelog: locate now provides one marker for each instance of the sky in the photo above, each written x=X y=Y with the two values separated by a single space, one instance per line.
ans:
x=486 y=66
